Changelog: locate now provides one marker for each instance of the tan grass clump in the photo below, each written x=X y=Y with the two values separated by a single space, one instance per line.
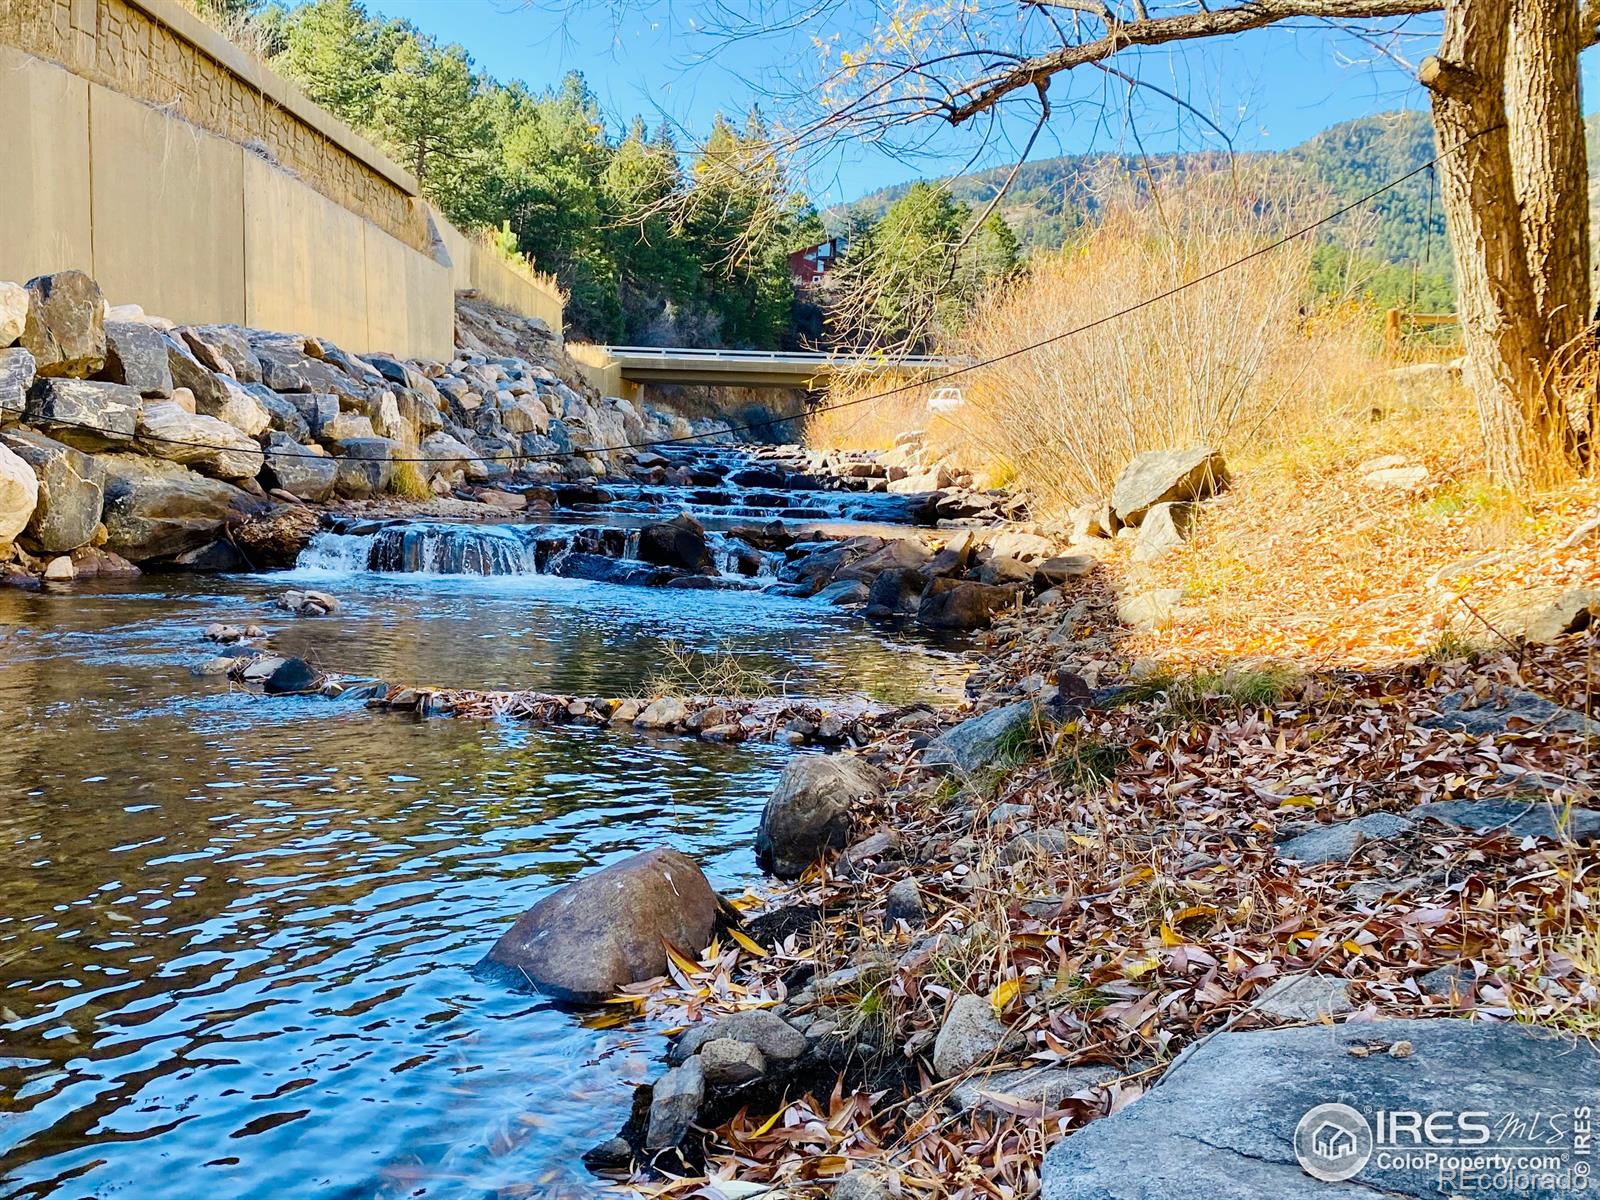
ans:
x=1213 y=363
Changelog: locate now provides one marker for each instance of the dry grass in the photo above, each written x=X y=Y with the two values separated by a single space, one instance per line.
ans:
x=1212 y=364
x=686 y=671
x=408 y=482
x=1305 y=561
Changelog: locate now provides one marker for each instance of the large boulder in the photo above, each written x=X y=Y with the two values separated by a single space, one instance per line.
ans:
x=1165 y=528
x=158 y=509
x=611 y=928
x=237 y=406
x=1251 y=1114
x=895 y=594
x=136 y=355
x=680 y=542
x=365 y=467
x=16 y=377
x=1165 y=476
x=210 y=446
x=19 y=495
x=209 y=389
x=71 y=491
x=979 y=741
x=811 y=811
x=223 y=348
x=14 y=300
x=901 y=554
x=87 y=414
x=303 y=471
x=66 y=331
x=962 y=604
x=447 y=454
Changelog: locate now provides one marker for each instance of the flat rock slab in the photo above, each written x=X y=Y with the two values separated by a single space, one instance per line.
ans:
x=1306 y=997
x=1221 y=1124
x=1031 y=1091
x=1336 y=843
x=977 y=742
x=1531 y=817
x=1513 y=710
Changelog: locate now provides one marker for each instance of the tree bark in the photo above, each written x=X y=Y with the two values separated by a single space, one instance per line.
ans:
x=1506 y=350
x=1549 y=167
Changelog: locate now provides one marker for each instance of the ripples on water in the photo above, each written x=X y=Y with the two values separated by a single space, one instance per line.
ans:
x=235 y=932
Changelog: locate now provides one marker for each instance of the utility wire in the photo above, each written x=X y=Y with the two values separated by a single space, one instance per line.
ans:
x=952 y=373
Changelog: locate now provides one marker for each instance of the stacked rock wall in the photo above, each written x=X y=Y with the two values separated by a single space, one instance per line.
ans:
x=129 y=439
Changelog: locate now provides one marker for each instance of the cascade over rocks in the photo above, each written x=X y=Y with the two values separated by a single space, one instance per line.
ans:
x=811 y=811
x=610 y=928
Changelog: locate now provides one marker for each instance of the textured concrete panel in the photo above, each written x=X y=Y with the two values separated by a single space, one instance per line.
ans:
x=305 y=260
x=44 y=183
x=168 y=212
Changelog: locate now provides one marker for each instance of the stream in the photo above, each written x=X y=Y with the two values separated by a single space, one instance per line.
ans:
x=236 y=932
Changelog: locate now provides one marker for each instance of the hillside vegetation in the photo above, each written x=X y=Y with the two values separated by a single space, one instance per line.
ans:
x=1052 y=200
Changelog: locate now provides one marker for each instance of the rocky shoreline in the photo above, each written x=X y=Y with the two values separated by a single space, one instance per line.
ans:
x=1114 y=912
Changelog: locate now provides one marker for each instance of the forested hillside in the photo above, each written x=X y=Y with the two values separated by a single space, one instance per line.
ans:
x=1052 y=198
x=545 y=170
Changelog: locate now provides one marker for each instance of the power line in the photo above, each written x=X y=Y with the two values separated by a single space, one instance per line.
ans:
x=953 y=373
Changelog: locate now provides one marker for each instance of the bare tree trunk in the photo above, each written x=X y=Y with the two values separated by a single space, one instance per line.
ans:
x=1548 y=160
x=1505 y=343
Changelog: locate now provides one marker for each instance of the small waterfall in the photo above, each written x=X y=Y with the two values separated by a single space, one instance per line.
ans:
x=340 y=553
x=422 y=549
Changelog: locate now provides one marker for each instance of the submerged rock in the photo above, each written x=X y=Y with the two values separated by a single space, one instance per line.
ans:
x=594 y=935
x=292 y=677
x=811 y=811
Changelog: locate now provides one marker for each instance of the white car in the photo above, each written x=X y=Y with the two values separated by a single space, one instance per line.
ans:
x=945 y=399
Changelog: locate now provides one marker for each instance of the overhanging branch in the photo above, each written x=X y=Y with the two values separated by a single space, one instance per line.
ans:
x=982 y=94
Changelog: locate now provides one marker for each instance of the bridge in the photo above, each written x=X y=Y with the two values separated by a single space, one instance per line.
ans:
x=611 y=367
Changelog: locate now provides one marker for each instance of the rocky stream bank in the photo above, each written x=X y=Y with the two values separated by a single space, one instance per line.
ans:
x=1121 y=930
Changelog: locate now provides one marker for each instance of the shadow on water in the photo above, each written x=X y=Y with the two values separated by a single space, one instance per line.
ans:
x=236 y=933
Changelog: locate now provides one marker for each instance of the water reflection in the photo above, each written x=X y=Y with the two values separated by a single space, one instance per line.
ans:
x=235 y=933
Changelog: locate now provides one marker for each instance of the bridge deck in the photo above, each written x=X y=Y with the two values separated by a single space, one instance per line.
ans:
x=750 y=368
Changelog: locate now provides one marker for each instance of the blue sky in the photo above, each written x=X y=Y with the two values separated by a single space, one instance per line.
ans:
x=1269 y=89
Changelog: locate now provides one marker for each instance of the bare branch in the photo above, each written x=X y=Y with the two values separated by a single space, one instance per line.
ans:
x=982 y=94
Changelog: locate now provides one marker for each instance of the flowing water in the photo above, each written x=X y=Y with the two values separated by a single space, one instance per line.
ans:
x=236 y=932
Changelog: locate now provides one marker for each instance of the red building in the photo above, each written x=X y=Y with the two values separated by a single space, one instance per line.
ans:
x=808 y=266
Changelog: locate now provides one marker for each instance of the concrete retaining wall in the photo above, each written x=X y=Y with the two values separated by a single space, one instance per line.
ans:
x=142 y=147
